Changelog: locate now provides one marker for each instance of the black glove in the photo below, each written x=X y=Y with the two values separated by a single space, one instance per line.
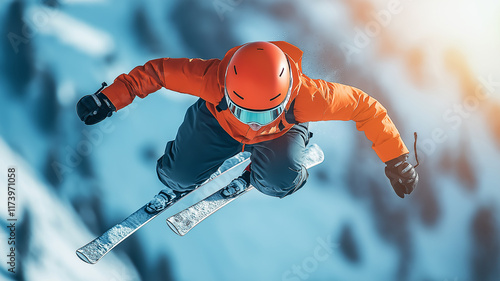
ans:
x=403 y=176
x=94 y=108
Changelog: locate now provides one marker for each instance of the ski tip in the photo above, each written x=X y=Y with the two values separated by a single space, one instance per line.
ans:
x=174 y=228
x=84 y=258
x=313 y=155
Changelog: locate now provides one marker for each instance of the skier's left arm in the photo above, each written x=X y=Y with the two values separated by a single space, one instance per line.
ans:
x=319 y=100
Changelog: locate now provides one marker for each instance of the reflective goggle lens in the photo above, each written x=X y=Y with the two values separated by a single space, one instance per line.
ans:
x=259 y=117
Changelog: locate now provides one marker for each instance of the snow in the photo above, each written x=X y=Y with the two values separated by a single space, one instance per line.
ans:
x=421 y=65
x=70 y=31
x=55 y=231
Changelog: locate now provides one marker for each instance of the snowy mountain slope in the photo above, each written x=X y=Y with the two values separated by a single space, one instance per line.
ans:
x=48 y=231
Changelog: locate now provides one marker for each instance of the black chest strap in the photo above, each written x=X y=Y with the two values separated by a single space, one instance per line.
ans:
x=289 y=116
x=222 y=105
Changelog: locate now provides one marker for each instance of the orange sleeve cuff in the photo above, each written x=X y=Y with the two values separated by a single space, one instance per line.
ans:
x=118 y=94
x=390 y=149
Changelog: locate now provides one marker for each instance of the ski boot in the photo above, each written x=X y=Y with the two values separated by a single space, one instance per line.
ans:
x=238 y=185
x=162 y=200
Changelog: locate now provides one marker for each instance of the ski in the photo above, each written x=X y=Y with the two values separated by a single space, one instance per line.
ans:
x=96 y=249
x=182 y=222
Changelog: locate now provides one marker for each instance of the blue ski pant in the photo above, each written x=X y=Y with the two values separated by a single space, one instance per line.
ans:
x=201 y=146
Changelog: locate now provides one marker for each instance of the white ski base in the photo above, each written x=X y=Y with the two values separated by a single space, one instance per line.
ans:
x=99 y=247
x=95 y=250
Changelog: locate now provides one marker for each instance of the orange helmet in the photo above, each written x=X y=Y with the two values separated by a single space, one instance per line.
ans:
x=258 y=83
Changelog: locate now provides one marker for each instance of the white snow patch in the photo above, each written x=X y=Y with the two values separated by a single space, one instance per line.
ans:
x=54 y=231
x=70 y=31
x=66 y=93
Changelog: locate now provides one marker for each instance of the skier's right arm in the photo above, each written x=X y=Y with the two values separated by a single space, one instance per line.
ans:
x=190 y=76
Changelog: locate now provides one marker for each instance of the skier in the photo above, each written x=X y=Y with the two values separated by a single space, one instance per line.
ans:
x=255 y=99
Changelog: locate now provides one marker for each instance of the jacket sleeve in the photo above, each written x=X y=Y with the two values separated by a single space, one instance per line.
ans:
x=319 y=100
x=182 y=75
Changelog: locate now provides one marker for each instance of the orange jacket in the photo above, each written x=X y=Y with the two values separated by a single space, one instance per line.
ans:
x=311 y=99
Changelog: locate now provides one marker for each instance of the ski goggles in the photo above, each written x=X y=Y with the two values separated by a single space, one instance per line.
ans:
x=260 y=117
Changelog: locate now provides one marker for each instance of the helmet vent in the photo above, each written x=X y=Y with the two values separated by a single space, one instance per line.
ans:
x=260 y=49
x=283 y=69
x=275 y=97
x=235 y=72
x=238 y=95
